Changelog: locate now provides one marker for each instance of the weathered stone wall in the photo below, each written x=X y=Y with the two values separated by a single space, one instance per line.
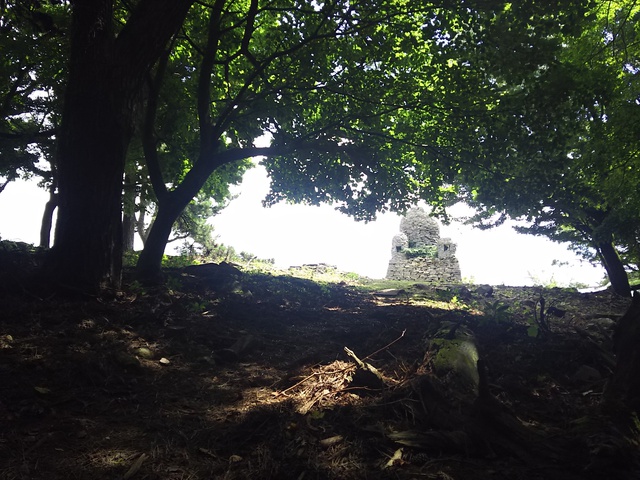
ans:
x=418 y=230
x=427 y=270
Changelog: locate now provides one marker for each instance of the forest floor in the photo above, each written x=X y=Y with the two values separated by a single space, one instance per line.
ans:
x=229 y=375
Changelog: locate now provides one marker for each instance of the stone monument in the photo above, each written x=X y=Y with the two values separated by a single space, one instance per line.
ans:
x=418 y=253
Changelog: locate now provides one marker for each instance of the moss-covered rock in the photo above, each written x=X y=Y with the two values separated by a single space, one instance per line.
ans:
x=456 y=356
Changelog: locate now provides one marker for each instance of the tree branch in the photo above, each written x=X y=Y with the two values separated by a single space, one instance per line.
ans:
x=151 y=25
x=148 y=137
x=208 y=135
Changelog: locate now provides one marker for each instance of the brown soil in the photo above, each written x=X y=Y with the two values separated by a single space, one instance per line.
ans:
x=235 y=376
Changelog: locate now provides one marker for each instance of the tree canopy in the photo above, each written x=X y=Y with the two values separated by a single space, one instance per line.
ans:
x=32 y=75
x=561 y=150
x=358 y=117
x=523 y=109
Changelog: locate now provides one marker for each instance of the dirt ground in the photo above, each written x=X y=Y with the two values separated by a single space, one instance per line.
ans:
x=229 y=375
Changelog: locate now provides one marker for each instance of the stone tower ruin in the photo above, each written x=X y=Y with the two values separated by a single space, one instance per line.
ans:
x=418 y=253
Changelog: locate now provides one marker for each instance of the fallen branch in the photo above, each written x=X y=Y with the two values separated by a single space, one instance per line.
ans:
x=386 y=346
x=364 y=365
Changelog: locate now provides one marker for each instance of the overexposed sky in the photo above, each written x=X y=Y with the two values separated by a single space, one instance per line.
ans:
x=297 y=234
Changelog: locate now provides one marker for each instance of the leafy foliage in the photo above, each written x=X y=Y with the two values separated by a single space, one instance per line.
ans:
x=496 y=312
x=32 y=74
x=560 y=145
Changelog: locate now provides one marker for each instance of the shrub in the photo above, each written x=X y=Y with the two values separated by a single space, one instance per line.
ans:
x=428 y=251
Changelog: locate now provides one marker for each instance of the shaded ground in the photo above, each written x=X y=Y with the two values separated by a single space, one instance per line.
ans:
x=235 y=376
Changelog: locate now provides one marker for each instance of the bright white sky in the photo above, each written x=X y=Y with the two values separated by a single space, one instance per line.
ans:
x=296 y=234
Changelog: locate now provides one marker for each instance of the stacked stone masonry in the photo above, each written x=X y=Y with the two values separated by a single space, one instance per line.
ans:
x=419 y=230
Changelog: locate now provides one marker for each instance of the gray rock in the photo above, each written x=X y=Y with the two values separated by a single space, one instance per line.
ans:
x=463 y=292
x=484 y=290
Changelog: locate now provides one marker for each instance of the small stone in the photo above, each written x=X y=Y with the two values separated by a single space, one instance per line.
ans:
x=164 y=361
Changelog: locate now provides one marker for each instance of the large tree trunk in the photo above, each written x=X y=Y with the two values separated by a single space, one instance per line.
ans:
x=94 y=136
x=615 y=268
x=88 y=239
x=105 y=77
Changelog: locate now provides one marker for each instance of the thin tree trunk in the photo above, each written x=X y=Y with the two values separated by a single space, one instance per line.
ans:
x=10 y=178
x=149 y=263
x=140 y=220
x=171 y=204
x=49 y=208
x=47 y=219
x=128 y=232
x=128 y=217
x=615 y=268
x=141 y=228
